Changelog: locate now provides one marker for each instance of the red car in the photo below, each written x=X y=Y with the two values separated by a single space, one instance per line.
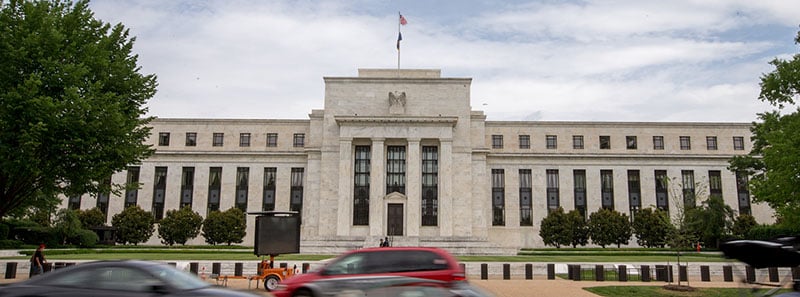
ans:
x=419 y=262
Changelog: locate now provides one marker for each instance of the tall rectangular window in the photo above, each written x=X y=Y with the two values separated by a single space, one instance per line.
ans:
x=738 y=143
x=551 y=141
x=579 y=178
x=214 y=186
x=272 y=139
x=361 y=186
x=163 y=139
x=244 y=139
x=430 y=186
x=187 y=186
x=159 y=191
x=524 y=141
x=218 y=139
x=525 y=199
x=191 y=138
x=687 y=178
x=662 y=184
x=498 y=197
x=299 y=140
x=74 y=202
x=242 y=186
x=634 y=192
x=658 y=142
x=686 y=142
x=577 y=142
x=605 y=142
x=296 y=191
x=268 y=198
x=132 y=187
x=743 y=193
x=631 y=143
x=715 y=183
x=396 y=169
x=607 y=188
x=553 y=200
x=711 y=143
x=497 y=141
x=102 y=199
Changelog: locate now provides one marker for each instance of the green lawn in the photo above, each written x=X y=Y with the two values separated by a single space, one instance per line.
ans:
x=656 y=291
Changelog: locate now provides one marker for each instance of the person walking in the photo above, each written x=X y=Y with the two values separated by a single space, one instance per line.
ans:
x=37 y=261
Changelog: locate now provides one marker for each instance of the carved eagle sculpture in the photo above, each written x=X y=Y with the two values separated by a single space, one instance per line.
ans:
x=397 y=99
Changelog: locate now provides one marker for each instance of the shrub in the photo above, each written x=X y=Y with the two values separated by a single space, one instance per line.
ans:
x=134 y=225
x=225 y=227
x=37 y=235
x=84 y=238
x=92 y=218
x=553 y=229
x=609 y=227
x=4 y=231
x=651 y=227
x=66 y=225
x=178 y=226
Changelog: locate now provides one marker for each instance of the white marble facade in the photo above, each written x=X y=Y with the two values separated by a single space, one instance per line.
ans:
x=415 y=109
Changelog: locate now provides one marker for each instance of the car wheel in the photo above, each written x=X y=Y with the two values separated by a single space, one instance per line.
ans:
x=271 y=282
x=302 y=293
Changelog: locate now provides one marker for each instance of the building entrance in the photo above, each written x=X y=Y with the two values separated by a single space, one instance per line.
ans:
x=394 y=219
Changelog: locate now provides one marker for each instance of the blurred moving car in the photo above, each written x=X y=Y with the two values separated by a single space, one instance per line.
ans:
x=381 y=285
x=117 y=278
x=416 y=262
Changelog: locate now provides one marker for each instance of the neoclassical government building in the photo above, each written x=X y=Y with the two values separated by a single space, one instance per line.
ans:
x=402 y=153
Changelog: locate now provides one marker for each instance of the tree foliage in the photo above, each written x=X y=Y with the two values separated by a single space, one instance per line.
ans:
x=72 y=101
x=774 y=161
x=134 y=225
x=225 y=227
x=178 y=226
x=577 y=228
x=91 y=218
x=711 y=222
x=608 y=227
x=66 y=225
x=553 y=230
x=742 y=225
x=652 y=227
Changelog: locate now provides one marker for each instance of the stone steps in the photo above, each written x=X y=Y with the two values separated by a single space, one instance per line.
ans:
x=461 y=246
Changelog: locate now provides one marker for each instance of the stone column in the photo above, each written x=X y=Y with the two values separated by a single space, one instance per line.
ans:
x=377 y=190
x=413 y=188
x=345 y=214
x=446 y=215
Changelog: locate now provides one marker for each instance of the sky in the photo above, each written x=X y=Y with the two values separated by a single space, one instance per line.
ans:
x=548 y=60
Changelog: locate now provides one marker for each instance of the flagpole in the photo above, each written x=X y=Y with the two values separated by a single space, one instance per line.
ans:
x=398 y=43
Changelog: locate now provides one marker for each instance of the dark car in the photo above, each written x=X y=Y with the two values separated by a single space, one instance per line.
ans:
x=417 y=262
x=117 y=278
x=389 y=286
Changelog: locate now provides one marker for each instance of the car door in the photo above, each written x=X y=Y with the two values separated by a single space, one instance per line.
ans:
x=102 y=281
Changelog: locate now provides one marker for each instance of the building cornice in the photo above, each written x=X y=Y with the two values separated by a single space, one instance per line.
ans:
x=620 y=124
x=360 y=120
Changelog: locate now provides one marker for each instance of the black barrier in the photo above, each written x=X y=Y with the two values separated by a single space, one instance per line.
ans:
x=664 y=273
x=11 y=270
x=551 y=271
x=237 y=269
x=284 y=265
x=577 y=273
x=70 y=263
x=750 y=274
x=216 y=268
x=59 y=265
x=529 y=271
x=570 y=272
x=305 y=267
x=645 y=273
x=727 y=273
x=463 y=267
x=796 y=272
x=773 y=274
x=194 y=267
x=705 y=274
x=622 y=273
x=484 y=271
x=47 y=267
x=506 y=271
x=599 y=273
x=172 y=263
x=683 y=274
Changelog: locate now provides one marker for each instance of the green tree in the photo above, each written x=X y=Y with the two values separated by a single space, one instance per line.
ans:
x=91 y=218
x=711 y=221
x=608 y=226
x=652 y=227
x=134 y=225
x=553 y=230
x=774 y=161
x=577 y=228
x=66 y=225
x=72 y=101
x=742 y=225
x=225 y=227
x=178 y=226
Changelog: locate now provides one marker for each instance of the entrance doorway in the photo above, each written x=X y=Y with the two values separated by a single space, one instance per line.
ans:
x=394 y=220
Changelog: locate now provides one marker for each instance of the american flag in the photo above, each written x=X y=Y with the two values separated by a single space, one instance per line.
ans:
x=403 y=20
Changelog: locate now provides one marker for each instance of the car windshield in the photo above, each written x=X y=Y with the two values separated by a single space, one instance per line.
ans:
x=178 y=279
